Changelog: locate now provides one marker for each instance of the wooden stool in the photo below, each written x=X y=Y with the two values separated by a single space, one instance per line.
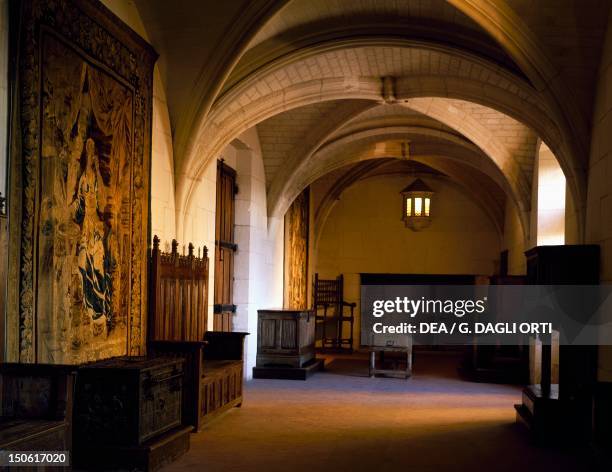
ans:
x=402 y=373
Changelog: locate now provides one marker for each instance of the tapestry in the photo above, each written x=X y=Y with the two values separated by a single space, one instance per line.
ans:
x=85 y=106
x=296 y=252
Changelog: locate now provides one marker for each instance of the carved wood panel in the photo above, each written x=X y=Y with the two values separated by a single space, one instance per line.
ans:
x=220 y=388
x=267 y=333
x=288 y=332
x=179 y=294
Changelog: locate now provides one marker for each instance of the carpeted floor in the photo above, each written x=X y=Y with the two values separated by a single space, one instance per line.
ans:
x=341 y=420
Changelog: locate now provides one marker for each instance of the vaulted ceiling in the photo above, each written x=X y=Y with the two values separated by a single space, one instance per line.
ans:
x=328 y=83
x=203 y=44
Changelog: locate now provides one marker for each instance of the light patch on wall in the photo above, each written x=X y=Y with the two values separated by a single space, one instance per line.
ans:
x=551 y=199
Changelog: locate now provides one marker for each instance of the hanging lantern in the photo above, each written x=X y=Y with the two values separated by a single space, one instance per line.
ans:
x=417 y=205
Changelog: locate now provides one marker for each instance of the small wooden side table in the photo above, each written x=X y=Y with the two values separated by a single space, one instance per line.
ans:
x=402 y=373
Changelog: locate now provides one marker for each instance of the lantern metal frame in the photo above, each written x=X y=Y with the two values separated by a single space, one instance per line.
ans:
x=417 y=205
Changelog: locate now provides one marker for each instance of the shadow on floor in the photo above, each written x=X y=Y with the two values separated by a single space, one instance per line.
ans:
x=339 y=421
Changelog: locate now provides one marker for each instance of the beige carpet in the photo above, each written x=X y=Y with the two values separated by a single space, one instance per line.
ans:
x=341 y=420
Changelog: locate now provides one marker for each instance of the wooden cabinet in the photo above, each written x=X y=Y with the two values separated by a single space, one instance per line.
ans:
x=285 y=338
x=566 y=265
x=562 y=410
x=557 y=265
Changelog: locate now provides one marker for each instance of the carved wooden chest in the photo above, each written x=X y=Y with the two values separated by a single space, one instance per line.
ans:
x=285 y=338
x=126 y=401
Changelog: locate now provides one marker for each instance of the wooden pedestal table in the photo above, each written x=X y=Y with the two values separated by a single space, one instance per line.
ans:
x=285 y=345
x=402 y=373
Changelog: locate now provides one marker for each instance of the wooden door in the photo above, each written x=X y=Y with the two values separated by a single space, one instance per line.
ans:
x=225 y=248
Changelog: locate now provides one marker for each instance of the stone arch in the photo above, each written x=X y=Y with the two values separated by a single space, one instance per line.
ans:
x=511 y=33
x=367 y=143
x=298 y=173
x=475 y=131
x=386 y=143
x=267 y=93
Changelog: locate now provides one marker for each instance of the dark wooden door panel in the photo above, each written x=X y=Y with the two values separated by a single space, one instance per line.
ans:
x=225 y=248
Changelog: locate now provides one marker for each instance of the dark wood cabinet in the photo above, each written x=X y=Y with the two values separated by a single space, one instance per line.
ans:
x=285 y=338
x=566 y=265
x=559 y=265
x=562 y=411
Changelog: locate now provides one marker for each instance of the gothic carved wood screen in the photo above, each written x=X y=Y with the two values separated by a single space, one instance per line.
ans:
x=179 y=294
x=80 y=176
x=296 y=253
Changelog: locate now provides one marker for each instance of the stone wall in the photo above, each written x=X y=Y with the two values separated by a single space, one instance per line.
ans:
x=599 y=202
x=258 y=270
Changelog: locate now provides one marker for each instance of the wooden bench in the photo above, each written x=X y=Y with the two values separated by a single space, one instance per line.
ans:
x=178 y=317
x=36 y=407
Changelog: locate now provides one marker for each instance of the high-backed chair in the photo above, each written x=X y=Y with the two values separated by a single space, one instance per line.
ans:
x=333 y=321
x=178 y=327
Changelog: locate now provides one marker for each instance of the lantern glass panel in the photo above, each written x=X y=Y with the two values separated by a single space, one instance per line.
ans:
x=409 y=207
x=418 y=206
x=427 y=202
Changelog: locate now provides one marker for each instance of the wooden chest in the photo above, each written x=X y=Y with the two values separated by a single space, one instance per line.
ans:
x=285 y=338
x=126 y=401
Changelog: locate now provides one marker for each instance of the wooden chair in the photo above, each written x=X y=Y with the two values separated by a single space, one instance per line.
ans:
x=329 y=306
x=177 y=327
x=36 y=407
